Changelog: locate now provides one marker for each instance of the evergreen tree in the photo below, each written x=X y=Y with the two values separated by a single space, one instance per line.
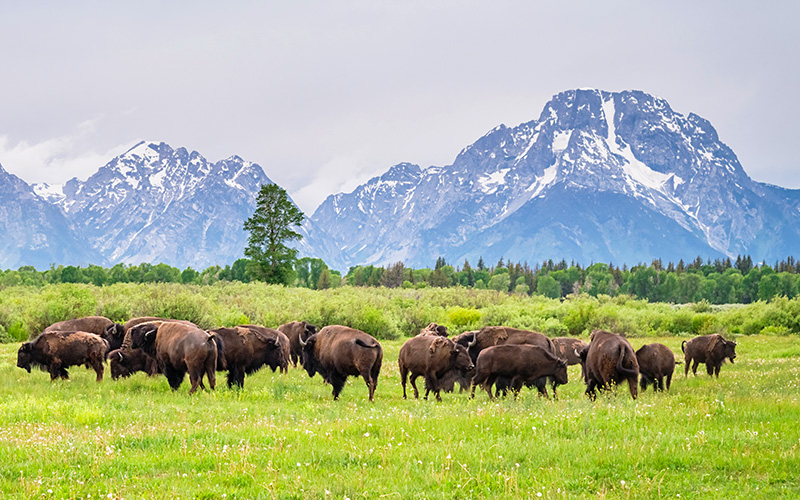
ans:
x=271 y=227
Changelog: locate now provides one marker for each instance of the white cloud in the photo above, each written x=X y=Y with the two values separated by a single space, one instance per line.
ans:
x=57 y=159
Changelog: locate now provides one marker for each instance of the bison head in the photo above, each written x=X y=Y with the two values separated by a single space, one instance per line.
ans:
x=114 y=334
x=461 y=359
x=119 y=365
x=24 y=356
x=309 y=360
x=729 y=350
x=560 y=373
x=143 y=335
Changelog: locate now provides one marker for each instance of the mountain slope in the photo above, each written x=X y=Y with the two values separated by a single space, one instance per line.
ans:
x=34 y=232
x=599 y=176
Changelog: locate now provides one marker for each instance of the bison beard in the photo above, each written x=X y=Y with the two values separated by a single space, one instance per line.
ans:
x=337 y=352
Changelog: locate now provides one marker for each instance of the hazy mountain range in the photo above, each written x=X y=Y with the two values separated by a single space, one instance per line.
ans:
x=597 y=177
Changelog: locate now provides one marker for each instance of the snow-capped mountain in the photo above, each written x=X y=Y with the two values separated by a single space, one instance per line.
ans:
x=158 y=204
x=34 y=232
x=599 y=177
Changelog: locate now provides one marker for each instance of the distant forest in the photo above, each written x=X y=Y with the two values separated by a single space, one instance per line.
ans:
x=723 y=281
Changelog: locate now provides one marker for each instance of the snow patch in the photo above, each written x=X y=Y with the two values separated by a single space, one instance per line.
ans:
x=560 y=141
x=491 y=182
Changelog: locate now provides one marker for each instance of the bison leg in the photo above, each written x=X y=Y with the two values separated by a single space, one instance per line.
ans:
x=632 y=385
x=337 y=381
x=488 y=385
x=403 y=379
x=413 y=381
x=716 y=370
x=174 y=377
x=695 y=364
x=97 y=365
x=669 y=380
x=590 y=389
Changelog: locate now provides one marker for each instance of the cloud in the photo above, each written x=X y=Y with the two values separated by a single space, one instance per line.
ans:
x=57 y=159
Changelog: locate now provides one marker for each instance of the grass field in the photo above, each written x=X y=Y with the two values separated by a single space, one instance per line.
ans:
x=282 y=436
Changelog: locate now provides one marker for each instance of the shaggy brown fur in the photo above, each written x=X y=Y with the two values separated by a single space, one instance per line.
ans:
x=520 y=363
x=656 y=361
x=54 y=352
x=337 y=352
x=295 y=331
x=609 y=359
x=709 y=349
x=432 y=357
x=179 y=348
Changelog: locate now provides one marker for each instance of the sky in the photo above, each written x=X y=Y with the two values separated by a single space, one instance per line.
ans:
x=325 y=95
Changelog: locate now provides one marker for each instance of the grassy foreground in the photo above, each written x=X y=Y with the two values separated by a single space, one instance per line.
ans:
x=284 y=437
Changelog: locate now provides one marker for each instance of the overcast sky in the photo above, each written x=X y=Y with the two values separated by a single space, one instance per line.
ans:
x=326 y=94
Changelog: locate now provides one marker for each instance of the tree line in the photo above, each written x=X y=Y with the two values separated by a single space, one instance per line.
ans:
x=722 y=281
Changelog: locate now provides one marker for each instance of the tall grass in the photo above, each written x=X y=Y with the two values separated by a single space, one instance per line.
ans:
x=282 y=436
x=382 y=312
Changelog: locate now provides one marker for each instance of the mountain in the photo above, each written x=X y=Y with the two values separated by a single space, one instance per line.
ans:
x=34 y=232
x=598 y=177
x=158 y=204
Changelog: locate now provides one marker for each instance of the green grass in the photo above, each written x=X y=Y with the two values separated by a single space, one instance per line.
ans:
x=282 y=436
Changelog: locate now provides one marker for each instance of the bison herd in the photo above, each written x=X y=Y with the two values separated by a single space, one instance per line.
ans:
x=496 y=358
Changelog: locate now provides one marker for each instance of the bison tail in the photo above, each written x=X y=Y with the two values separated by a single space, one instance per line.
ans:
x=364 y=344
x=221 y=362
x=683 y=347
x=622 y=369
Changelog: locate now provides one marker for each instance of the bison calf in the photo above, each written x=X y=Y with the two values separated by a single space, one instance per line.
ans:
x=57 y=351
x=656 y=362
x=709 y=349
x=432 y=357
x=521 y=363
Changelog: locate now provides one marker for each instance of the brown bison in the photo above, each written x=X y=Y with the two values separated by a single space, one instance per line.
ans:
x=656 y=361
x=609 y=359
x=709 y=349
x=55 y=351
x=247 y=350
x=295 y=331
x=279 y=357
x=179 y=348
x=489 y=336
x=432 y=357
x=119 y=332
x=567 y=348
x=125 y=361
x=520 y=363
x=434 y=330
x=337 y=352
x=99 y=325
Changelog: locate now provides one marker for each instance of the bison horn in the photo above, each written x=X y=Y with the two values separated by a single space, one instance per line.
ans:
x=302 y=342
x=120 y=356
x=474 y=341
x=576 y=353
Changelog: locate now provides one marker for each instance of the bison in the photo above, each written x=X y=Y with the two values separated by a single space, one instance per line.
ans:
x=247 y=350
x=656 y=361
x=432 y=357
x=125 y=361
x=279 y=358
x=99 y=325
x=489 y=336
x=433 y=330
x=55 y=351
x=179 y=348
x=295 y=331
x=709 y=349
x=337 y=352
x=566 y=349
x=520 y=363
x=609 y=359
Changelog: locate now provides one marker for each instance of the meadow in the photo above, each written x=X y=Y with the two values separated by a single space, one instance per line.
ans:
x=282 y=436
